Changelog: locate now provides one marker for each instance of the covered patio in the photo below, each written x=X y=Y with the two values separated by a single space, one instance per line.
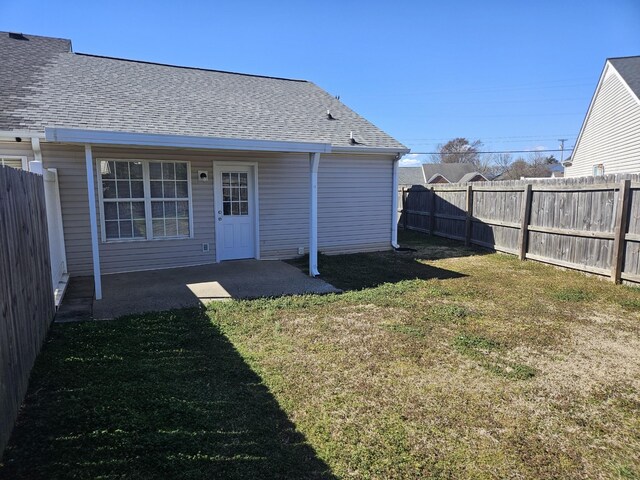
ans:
x=156 y=290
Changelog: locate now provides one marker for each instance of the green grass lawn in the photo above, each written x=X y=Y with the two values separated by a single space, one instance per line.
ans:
x=440 y=363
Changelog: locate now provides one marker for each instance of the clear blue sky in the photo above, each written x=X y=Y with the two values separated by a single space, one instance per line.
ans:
x=514 y=74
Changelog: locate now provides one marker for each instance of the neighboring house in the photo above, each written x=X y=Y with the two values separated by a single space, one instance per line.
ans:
x=430 y=173
x=609 y=140
x=410 y=176
x=162 y=166
x=451 y=173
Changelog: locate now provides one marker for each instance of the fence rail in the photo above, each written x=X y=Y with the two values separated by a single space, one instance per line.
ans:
x=26 y=296
x=590 y=224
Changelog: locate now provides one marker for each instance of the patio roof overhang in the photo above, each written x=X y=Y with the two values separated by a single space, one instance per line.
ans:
x=105 y=137
x=313 y=149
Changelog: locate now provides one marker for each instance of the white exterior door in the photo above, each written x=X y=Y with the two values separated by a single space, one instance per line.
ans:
x=234 y=186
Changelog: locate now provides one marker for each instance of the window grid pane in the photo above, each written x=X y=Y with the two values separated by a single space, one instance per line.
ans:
x=124 y=201
x=235 y=193
x=11 y=162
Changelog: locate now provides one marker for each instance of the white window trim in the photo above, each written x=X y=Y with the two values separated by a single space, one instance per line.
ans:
x=23 y=160
x=147 y=201
x=598 y=170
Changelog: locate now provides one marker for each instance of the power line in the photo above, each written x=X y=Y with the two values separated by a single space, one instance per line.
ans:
x=535 y=137
x=538 y=137
x=496 y=151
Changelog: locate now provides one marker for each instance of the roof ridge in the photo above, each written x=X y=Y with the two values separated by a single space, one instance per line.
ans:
x=189 y=68
x=37 y=36
x=623 y=58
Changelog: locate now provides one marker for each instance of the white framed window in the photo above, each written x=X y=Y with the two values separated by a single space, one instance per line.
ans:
x=19 y=163
x=144 y=200
x=598 y=170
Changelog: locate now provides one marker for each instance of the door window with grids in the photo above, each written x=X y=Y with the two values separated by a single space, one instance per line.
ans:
x=235 y=193
x=145 y=199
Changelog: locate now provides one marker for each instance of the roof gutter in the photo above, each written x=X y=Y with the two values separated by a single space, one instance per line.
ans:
x=18 y=135
x=383 y=150
x=103 y=137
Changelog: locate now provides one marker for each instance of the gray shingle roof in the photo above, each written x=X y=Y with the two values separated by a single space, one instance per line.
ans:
x=629 y=69
x=44 y=84
x=451 y=171
x=410 y=176
x=468 y=177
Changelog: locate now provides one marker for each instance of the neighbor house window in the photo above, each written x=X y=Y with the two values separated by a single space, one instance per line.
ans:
x=598 y=170
x=18 y=163
x=145 y=199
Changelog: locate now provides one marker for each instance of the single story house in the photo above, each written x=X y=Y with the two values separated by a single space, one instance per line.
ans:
x=161 y=166
x=609 y=140
x=430 y=173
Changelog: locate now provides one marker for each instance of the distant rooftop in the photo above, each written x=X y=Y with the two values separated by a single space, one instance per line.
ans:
x=408 y=176
x=451 y=171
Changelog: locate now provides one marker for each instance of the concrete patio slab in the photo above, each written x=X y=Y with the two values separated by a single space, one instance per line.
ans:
x=77 y=302
x=156 y=290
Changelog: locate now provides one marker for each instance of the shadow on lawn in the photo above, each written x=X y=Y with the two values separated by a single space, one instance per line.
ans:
x=367 y=270
x=156 y=396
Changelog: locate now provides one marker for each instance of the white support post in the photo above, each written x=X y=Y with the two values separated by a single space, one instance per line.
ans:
x=91 y=191
x=314 y=161
x=394 y=204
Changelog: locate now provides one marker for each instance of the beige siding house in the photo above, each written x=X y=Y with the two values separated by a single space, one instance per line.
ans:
x=161 y=166
x=609 y=141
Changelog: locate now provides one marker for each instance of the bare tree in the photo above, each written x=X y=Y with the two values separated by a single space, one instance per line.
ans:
x=499 y=163
x=459 y=150
x=537 y=165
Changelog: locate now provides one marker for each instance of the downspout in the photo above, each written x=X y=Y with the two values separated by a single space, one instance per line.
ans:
x=37 y=152
x=394 y=203
x=314 y=162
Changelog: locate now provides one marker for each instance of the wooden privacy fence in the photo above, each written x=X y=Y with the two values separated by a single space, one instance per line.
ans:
x=590 y=224
x=26 y=296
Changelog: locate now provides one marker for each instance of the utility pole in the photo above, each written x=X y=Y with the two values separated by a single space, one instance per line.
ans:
x=562 y=140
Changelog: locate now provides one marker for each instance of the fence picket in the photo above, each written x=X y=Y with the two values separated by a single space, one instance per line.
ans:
x=26 y=296
x=572 y=222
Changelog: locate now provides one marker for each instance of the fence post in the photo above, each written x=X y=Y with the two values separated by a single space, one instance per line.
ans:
x=620 y=230
x=404 y=211
x=432 y=213
x=525 y=214
x=468 y=220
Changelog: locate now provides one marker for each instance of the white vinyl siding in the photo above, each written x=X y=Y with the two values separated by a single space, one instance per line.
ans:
x=354 y=203
x=284 y=205
x=354 y=196
x=16 y=150
x=611 y=134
